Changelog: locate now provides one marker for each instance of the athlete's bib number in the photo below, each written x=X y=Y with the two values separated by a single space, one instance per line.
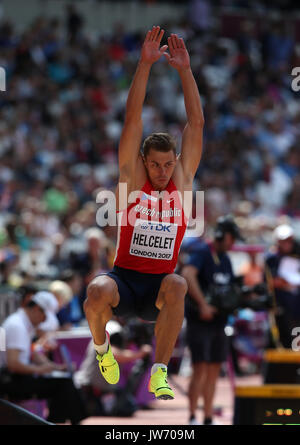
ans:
x=153 y=239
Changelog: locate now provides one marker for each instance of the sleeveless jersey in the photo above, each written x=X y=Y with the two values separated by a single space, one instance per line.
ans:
x=150 y=231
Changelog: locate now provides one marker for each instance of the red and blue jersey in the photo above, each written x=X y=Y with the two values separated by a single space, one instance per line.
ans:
x=150 y=231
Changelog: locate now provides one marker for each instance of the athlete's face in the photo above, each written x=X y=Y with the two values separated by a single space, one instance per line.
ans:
x=160 y=167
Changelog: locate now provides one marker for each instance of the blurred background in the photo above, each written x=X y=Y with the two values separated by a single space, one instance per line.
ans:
x=68 y=68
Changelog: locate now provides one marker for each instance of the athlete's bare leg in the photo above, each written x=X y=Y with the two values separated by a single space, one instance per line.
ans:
x=102 y=295
x=170 y=302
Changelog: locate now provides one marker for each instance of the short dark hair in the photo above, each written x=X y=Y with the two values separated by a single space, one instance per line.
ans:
x=31 y=304
x=160 y=142
x=26 y=290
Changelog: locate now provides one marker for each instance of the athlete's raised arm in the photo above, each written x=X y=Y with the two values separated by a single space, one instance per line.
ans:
x=191 y=149
x=133 y=127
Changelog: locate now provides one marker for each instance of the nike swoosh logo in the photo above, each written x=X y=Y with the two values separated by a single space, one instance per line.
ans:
x=170 y=200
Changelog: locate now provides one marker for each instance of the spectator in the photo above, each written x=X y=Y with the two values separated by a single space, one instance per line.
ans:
x=66 y=123
x=29 y=376
x=72 y=314
x=74 y=23
x=94 y=261
x=60 y=294
x=26 y=292
x=57 y=260
x=282 y=274
x=278 y=46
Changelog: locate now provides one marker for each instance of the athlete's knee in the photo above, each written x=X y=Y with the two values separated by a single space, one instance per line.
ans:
x=101 y=292
x=176 y=288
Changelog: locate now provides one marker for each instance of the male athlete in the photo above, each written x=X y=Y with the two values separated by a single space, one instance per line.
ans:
x=142 y=282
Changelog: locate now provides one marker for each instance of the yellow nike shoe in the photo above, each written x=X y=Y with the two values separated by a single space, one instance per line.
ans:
x=158 y=385
x=108 y=366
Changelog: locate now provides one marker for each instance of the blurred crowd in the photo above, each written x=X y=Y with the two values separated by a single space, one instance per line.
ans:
x=61 y=119
x=62 y=115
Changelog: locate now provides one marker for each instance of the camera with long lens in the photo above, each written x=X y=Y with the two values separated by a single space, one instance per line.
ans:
x=228 y=298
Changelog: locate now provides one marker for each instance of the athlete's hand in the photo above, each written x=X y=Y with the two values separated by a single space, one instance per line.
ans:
x=179 y=57
x=151 y=50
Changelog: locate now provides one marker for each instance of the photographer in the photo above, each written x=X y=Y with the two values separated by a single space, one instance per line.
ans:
x=208 y=266
x=282 y=268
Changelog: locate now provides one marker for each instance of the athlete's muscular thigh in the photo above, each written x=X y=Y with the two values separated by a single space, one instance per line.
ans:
x=172 y=289
x=102 y=290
